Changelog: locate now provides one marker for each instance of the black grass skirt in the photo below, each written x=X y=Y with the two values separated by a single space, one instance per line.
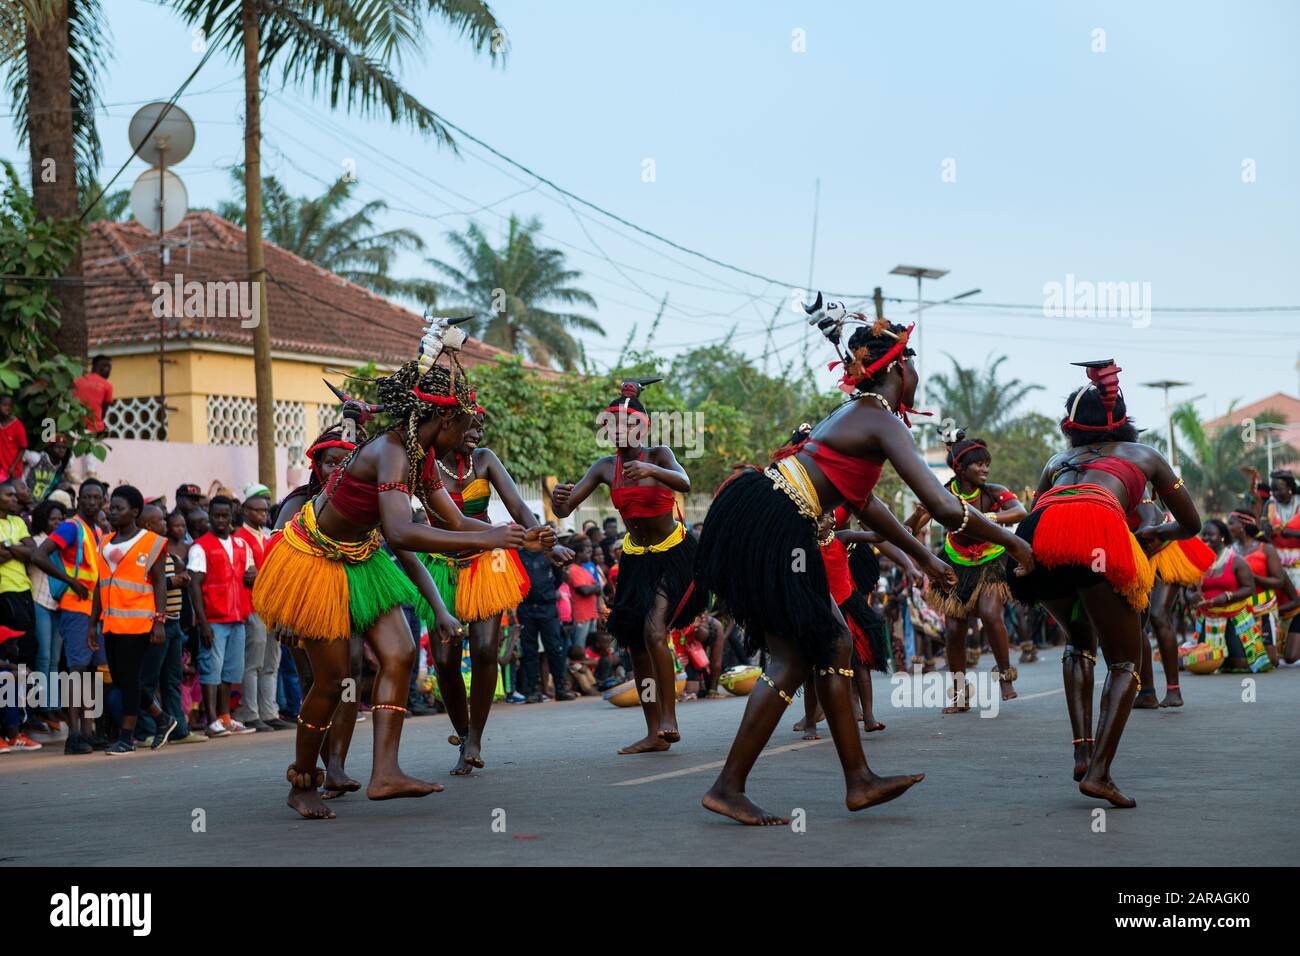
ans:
x=864 y=567
x=872 y=624
x=759 y=557
x=641 y=578
x=973 y=581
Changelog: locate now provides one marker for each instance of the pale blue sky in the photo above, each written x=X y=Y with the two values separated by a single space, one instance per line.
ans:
x=1124 y=165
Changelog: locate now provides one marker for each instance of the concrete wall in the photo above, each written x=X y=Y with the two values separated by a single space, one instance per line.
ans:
x=158 y=468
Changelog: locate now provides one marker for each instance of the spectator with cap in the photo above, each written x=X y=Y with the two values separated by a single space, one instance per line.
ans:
x=221 y=567
x=70 y=558
x=257 y=705
x=188 y=499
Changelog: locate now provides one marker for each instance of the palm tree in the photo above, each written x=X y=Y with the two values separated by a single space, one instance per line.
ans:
x=52 y=52
x=347 y=244
x=344 y=48
x=1210 y=460
x=975 y=398
x=512 y=286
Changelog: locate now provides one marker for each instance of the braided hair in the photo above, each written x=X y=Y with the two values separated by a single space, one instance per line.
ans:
x=869 y=343
x=965 y=451
x=409 y=411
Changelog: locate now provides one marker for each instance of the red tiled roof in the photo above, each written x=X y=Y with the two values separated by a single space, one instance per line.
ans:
x=310 y=309
x=1288 y=406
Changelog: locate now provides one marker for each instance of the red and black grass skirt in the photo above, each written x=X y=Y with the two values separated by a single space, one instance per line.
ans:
x=1080 y=538
x=758 y=557
x=870 y=648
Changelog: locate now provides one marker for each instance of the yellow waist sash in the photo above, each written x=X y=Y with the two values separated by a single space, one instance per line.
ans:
x=675 y=537
x=304 y=535
x=792 y=477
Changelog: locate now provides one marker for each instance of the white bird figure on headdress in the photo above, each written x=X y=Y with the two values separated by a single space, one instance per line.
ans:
x=829 y=317
x=440 y=336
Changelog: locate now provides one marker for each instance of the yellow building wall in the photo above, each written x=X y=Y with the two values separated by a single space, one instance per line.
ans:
x=192 y=375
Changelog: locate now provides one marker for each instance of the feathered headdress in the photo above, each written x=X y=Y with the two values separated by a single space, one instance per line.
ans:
x=629 y=397
x=1104 y=377
x=831 y=317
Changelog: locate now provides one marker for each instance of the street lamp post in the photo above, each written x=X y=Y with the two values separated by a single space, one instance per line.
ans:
x=918 y=336
x=1269 y=429
x=1167 y=384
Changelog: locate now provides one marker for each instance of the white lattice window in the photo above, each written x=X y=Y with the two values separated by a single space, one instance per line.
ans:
x=142 y=417
x=232 y=420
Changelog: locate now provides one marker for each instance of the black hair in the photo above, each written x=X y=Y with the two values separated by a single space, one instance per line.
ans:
x=131 y=495
x=92 y=481
x=1091 y=411
x=1222 y=526
x=221 y=500
x=869 y=342
x=8 y=483
x=1286 y=478
x=41 y=515
x=608 y=519
x=965 y=451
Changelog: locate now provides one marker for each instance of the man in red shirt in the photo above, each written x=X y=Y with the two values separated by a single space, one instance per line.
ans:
x=95 y=391
x=13 y=440
x=257 y=704
x=586 y=591
x=221 y=567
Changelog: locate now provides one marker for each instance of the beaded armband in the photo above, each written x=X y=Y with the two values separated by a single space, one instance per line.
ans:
x=392 y=486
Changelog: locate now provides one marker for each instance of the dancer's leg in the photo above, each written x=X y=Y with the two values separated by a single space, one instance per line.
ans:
x=484 y=644
x=648 y=689
x=391 y=641
x=863 y=788
x=665 y=668
x=954 y=643
x=812 y=711
x=1077 y=664
x=1120 y=630
x=765 y=707
x=1162 y=625
x=334 y=748
x=990 y=610
x=329 y=668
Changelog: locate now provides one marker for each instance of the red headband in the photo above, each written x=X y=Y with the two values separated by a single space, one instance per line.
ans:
x=851 y=380
x=323 y=445
x=978 y=444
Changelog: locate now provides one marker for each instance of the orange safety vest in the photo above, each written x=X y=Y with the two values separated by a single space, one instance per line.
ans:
x=87 y=572
x=126 y=597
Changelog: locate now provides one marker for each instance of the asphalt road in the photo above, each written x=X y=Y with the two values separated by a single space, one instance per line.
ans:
x=1215 y=783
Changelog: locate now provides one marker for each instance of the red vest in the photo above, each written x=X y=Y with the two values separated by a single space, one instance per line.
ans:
x=224 y=600
x=260 y=547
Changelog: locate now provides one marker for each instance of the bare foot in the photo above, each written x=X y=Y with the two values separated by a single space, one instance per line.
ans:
x=399 y=784
x=802 y=725
x=871 y=791
x=1146 y=700
x=810 y=732
x=338 y=783
x=670 y=734
x=1105 y=789
x=1082 y=757
x=647 y=744
x=870 y=725
x=308 y=803
x=740 y=808
x=954 y=708
x=469 y=760
x=1173 y=698
x=1008 y=690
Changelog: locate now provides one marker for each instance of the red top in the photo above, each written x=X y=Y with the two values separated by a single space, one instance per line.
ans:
x=1220 y=583
x=94 y=390
x=1257 y=561
x=836 y=559
x=13 y=442
x=355 y=500
x=638 y=501
x=1135 y=482
x=852 y=477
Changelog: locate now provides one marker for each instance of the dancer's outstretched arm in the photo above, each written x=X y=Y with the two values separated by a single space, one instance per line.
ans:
x=567 y=496
x=489 y=465
x=448 y=627
x=666 y=470
x=882 y=520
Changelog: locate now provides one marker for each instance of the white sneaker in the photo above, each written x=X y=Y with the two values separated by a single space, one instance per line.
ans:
x=239 y=727
x=218 y=728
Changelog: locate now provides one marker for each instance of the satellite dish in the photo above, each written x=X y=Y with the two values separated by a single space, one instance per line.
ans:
x=171 y=140
x=145 y=197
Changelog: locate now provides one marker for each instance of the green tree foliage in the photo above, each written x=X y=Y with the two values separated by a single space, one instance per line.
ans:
x=1210 y=460
x=32 y=369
